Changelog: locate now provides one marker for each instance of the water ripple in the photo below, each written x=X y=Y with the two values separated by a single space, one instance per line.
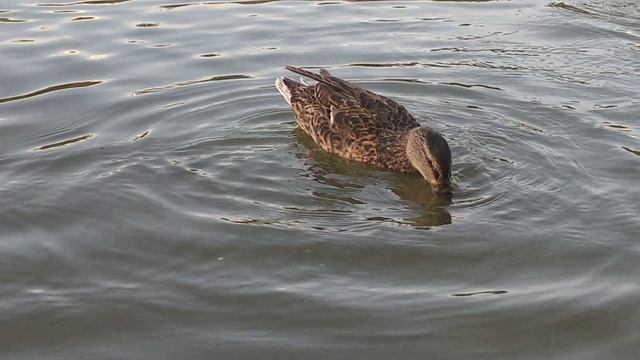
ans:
x=49 y=89
x=635 y=152
x=65 y=142
x=176 y=6
x=191 y=82
x=471 y=85
x=88 y=2
x=12 y=20
x=491 y=292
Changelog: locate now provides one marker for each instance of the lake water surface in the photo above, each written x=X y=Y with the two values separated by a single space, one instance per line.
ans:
x=158 y=202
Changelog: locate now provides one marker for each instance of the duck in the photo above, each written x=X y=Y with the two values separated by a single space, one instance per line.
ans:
x=357 y=124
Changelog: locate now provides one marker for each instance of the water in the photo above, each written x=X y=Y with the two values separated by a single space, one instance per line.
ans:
x=157 y=202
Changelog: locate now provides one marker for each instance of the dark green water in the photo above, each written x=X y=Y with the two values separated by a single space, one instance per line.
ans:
x=157 y=202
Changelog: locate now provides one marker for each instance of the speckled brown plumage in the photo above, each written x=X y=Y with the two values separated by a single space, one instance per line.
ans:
x=355 y=123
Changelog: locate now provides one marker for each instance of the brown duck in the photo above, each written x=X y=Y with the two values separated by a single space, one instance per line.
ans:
x=357 y=124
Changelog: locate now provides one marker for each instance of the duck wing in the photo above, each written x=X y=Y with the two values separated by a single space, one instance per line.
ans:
x=340 y=125
x=387 y=114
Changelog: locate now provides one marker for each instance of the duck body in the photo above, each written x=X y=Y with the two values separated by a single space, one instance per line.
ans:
x=358 y=124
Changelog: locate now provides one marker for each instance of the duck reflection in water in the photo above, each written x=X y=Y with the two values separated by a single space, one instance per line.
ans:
x=424 y=207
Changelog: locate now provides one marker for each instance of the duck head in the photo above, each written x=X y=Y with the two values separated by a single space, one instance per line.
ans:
x=429 y=153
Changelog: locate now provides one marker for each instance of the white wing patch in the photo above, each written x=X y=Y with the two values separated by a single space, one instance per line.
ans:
x=332 y=112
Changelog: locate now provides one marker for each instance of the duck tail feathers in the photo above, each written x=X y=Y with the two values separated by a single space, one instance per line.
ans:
x=285 y=87
x=307 y=73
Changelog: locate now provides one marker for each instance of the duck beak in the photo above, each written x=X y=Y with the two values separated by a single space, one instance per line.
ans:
x=441 y=188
